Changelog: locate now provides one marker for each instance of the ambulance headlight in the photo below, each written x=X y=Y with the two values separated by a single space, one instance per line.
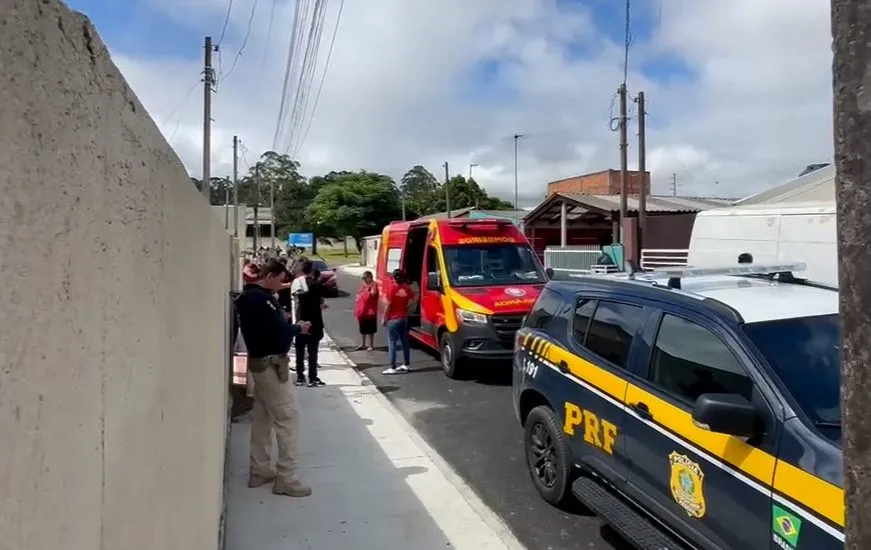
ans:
x=471 y=317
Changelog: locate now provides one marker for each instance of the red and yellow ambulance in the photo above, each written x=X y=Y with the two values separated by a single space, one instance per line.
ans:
x=477 y=279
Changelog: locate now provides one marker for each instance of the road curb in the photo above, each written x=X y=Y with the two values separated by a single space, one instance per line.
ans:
x=490 y=519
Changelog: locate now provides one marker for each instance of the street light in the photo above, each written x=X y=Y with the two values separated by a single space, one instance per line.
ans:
x=472 y=165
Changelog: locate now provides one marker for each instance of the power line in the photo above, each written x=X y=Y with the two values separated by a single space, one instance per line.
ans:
x=306 y=71
x=323 y=78
x=628 y=42
x=244 y=40
x=288 y=69
x=226 y=22
x=269 y=32
x=181 y=104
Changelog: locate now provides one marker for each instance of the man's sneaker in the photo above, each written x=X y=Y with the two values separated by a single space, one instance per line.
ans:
x=395 y=370
x=402 y=368
x=316 y=382
x=300 y=381
x=294 y=488
x=255 y=481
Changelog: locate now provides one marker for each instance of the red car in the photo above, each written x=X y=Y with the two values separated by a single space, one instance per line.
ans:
x=328 y=277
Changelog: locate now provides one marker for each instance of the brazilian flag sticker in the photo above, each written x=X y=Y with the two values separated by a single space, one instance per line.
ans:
x=785 y=525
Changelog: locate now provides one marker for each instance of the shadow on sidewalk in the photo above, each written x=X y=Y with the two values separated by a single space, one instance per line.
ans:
x=372 y=487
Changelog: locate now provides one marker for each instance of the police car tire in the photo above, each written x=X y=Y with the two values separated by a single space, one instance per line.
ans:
x=455 y=368
x=561 y=490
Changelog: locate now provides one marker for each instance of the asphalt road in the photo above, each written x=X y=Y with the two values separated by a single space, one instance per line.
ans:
x=471 y=424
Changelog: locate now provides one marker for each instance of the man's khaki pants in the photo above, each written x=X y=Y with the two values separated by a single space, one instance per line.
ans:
x=274 y=412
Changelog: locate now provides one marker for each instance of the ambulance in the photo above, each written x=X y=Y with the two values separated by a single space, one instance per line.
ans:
x=476 y=280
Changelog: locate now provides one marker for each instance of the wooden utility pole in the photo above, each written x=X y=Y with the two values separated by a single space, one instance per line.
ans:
x=624 y=161
x=516 y=180
x=236 y=186
x=851 y=29
x=272 y=213
x=642 y=170
x=447 y=189
x=208 y=79
x=256 y=206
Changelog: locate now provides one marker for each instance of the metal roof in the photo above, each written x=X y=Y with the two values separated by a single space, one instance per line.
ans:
x=815 y=186
x=655 y=204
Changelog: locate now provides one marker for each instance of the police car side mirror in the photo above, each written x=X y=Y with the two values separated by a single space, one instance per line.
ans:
x=549 y=272
x=725 y=413
x=434 y=281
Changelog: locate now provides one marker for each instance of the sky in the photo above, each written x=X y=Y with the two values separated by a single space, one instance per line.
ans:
x=739 y=94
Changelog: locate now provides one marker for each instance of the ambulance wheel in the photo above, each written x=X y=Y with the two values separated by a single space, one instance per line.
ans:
x=452 y=363
x=548 y=456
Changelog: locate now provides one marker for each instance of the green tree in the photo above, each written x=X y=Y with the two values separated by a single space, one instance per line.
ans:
x=466 y=193
x=355 y=204
x=417 y=188
x=217 y=189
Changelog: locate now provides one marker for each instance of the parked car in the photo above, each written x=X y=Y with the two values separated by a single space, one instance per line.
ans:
x=328 y=277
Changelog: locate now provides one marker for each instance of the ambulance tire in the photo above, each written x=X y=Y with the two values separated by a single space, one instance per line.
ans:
x=543 y=437
x=453 y=364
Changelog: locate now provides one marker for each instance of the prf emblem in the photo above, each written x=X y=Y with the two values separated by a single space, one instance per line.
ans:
x=687 y=484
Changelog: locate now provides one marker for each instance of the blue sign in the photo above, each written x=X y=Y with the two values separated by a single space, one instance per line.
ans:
x=302 y=240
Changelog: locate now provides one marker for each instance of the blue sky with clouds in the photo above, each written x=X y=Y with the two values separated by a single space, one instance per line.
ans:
x=421 y=81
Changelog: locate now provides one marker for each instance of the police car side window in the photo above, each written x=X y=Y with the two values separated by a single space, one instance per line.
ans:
x=584 y=310
x=544 y=310
x=611 y=331
x=689 y=360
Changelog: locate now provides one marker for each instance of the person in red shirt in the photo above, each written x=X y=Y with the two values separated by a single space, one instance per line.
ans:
x=366 y=311
x=396 y=301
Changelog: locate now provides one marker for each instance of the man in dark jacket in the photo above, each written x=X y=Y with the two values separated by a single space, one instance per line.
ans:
x=310 y=305
x=268 y=336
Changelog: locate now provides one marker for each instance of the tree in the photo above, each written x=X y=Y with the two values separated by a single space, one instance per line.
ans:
x=217 y=189
x=466 y=193
x=417 y=188
x=355 y=204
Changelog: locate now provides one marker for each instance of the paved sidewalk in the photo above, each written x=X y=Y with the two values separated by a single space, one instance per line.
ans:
x=376 y=484
x=356 y=269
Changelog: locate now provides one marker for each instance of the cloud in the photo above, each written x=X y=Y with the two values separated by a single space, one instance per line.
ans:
x=739 y=93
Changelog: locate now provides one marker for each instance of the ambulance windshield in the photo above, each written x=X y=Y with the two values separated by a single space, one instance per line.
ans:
x=501 y=264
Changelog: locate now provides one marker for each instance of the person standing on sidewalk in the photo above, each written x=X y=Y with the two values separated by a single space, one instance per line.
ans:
x=398 y=296
x=366 y=311
x=268 y=336
x=310 y=306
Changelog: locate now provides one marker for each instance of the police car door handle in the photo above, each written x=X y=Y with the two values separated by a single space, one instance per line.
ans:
x=563 y=367
x=642 y=410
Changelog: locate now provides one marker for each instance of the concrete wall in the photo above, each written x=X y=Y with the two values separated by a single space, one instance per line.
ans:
x=113 y=366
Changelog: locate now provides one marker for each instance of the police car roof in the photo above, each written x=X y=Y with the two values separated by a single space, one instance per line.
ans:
x=754 y=299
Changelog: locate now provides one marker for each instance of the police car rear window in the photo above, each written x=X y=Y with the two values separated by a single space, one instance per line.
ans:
x=611 y=330
x=544 y=309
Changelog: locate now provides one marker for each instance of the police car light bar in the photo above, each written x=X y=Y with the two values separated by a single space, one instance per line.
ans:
x=739 y=269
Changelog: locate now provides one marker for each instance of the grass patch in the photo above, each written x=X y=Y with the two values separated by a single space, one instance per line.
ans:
x=337 y=255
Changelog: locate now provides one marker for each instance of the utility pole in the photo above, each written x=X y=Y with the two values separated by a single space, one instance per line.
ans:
x=226 y=209
x=673 y=185
x=624 y=161
x=642 y=169
x=851 y=27
x=208 y=79
x=447 y=189
x=516 y=186
x=236 y=186
x=471 y=165
x=272 y=213
x=256 y=206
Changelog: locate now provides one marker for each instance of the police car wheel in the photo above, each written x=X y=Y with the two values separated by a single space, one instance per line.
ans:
x=548 y=456
x=451 y=363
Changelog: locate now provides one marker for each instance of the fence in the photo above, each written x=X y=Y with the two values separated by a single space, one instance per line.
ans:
x=663 y=257
x=575 y=260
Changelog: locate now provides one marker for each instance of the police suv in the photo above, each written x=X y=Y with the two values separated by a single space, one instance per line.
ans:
x=688 y=407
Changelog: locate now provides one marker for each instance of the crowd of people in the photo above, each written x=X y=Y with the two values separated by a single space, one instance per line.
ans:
x=279 y=310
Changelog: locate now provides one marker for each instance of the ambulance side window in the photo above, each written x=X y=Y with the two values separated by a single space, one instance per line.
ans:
x=394 y=259
x=432 y=264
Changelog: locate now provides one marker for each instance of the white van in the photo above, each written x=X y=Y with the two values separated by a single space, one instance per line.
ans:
x=797 y=232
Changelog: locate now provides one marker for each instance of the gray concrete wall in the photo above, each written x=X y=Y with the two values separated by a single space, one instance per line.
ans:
x=113 y=366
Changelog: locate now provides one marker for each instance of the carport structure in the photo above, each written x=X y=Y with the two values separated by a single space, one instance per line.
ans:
x=573 y=219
